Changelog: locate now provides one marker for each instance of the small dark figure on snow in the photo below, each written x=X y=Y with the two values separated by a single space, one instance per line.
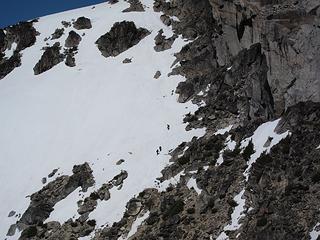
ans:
x=168 y=126
x=160 y=148
x=157 y=152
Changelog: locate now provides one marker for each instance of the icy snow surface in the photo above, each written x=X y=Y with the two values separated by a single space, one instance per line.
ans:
x=192 y=183
x=96 y=112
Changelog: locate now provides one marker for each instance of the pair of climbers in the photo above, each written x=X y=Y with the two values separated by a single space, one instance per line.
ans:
x=159 y=150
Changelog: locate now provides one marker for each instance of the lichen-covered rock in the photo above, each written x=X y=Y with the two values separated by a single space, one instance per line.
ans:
x=82 y=23
x=122 y=36
x=49 y=59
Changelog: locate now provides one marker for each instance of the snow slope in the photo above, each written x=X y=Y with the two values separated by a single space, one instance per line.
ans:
x=98 y=112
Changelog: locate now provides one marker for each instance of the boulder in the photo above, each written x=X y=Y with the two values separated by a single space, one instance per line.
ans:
x=73 y=40
x=49 y=59
x=82 y=23
x=121 y=37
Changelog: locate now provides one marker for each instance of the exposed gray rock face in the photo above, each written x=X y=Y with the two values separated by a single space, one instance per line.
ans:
x=240 y=95
x=290 y=38
x=8 y=65
x=135 y=6
x=118 y=180
x=70 y=60
x=49 y=59
x=162 y=43
x=24 y=35
x=122 y=36
x=195 y=16
x=284 y=185
x=73 y=40
x=82 y=23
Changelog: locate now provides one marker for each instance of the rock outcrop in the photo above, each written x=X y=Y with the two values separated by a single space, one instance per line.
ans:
x=42 y=202
x=135 y=6
x=289 y=34
x=57 y=33
x=73 y=40
x=162 y=43
x=121 y=37
x=82 y=23
x=23 y=35
x=49 y=59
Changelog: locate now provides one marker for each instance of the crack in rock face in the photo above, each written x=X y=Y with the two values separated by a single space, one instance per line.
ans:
x=121 y=37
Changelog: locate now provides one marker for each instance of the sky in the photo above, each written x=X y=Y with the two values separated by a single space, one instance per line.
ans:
x=14 y=11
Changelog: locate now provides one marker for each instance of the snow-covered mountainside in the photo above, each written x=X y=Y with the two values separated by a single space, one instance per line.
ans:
x=158 y=119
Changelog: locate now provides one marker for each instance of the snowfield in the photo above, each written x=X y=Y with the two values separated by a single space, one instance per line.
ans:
x=97 y=112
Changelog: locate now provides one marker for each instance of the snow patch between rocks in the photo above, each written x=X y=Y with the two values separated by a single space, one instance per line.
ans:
x=135 y=225
x=259 y=138
x=9 y=52
x=192 y=184
x=223 y=130
x=230 y=145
